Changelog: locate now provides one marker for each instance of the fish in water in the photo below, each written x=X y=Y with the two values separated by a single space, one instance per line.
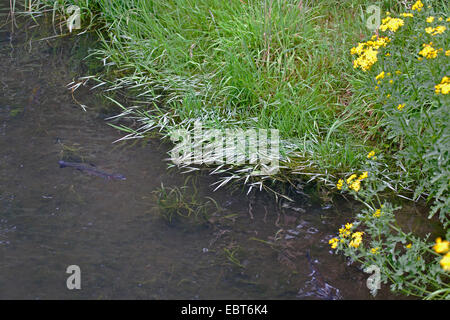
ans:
x=91 y=170
x=317 y=287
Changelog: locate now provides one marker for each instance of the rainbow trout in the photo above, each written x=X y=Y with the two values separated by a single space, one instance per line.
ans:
x=91 y=170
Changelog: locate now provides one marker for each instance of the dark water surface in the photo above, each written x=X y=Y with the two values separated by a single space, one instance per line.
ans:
x=113 y=230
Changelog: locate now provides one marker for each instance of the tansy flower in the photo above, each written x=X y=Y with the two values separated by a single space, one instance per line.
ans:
x=391 y=23
x=388 y=95
x=441 y=246
x=408 y=246
x=343 y=232
x=417 y=6
x=374 y=250
x=359 y=49
x=371 y=154
x=430 y=19
x=380 y=76
x=353 y=176
x=391 y=81
x=443 y=87
x=356 y=185
x=339 y=184
x=366 y=59
x=407 y=15
x=348 y=226
x=440 y=19
x=445 y=262
x=447 y=53
x=398 y=72
x=356 y=239
x=377 y=213
x=364 y=175
x=428 y=51
x=333 y=242
x=435 y=31
x=400 y=107
x=448 y=20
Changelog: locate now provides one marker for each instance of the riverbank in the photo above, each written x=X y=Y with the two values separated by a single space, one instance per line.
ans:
x=287 y=65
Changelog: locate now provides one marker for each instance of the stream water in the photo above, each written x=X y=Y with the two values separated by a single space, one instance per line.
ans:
x=248 y=247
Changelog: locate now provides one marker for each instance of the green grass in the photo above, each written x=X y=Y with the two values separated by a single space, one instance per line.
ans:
x=262 y=64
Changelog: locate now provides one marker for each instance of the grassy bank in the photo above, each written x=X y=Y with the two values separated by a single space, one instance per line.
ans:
x=369 y=121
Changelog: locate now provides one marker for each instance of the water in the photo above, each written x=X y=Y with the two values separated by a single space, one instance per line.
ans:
x=114 y=231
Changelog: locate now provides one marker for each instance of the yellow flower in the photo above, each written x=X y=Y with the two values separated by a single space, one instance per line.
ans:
x=353 y=176
x=374 y=250
x=440 y=19
x=391 y=23
x=356 y=185
x=364 y=175
x=398 y=72
x=359 y=49
x=441 y=246
x=430 y=19
x=408 y=246
x=348 y=226
x=371 y=154
x=448 y=20
x=391 y=81
x=439 y=30
x=377 y=213
x=388 y=54
x=380 y=76
x=428 y=51
x=447 y=53
x=356 y=239
x=366 y=59
x=445 y=262
x=417 y=6
x=443 y=87
x=344 y=232
x=333 y=242
x=407 y=15
x=339 y=184
x=400 y=107
x=388 y=95
x=435 y=31
x=376 y=87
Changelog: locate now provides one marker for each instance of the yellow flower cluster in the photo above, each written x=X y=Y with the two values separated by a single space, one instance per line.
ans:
x=443 y=87
x=428 y=51
x=345 y=232
x=391 y=23
x=377 y=213
x=367 y=52
x=371 y=154
x=380 y=76
x=430 y=19
x=400 y=107
x=374 y=250
x=356 y=239
x=443 y=247
x=406 y=15
x=435 y=31
x=356 y=184
x=417 y=6
x=333 y=242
